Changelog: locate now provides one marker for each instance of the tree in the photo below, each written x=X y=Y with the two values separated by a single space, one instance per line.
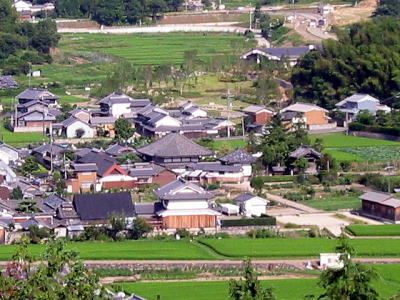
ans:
x=388 y=8
x=301 y=164
x=257 y=183
x=118 y=223
x=365 y=117
x=250 y=288
x=60 y=275
x=79 y=133
x=36 y=234
x=123 y=130
x=140 y=228
x=352 y=281
x=17 y=193
x=30 y=165
x=155 y=7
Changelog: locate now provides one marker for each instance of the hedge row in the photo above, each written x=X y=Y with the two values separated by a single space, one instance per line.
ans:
x=249 y=222
x=281 y=178
x=377 y=129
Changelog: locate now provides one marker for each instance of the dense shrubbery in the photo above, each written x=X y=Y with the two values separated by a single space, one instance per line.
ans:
x=281 y=178
x=365 y=59
x=249 y=222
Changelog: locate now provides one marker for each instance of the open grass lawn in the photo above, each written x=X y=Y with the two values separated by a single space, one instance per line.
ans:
x=387 y=284
x=146 y=249
x=342 y=156
x=20 y=139
x=153 y=49
x=375 y=230
x=302 y=247
x=332 y=203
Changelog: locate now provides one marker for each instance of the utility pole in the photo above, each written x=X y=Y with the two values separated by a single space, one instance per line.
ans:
x=250 y=17
x=243 y=128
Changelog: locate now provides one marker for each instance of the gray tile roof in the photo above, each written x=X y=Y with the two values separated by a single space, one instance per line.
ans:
x=102 y=206
x=146 y=170
x=214 y=167
x=117 y=150
x=381 y=198
x=103 y=161
x=115 y=98
x=171 y=190
x=89 y=167
x=54 y=201
x=244 y=197
x=102 y=120
x=8 y=83
x=36 y=115
x=239 y=156
x=303 y=151
x=148 y=208
x=55 y=149
x=37 y=94
x=174 y=145
x=71 y=120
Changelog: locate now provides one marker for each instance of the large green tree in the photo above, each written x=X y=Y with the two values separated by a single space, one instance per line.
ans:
x=365 y=59
x=123 y=130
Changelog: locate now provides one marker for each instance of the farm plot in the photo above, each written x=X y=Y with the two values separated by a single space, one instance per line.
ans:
x=382 y=153
x=154 y=49
x=374 y=230
x=301 y=247
x=347 y=141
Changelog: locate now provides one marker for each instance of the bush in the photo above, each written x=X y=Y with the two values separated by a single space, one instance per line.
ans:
x=281 y=178
x=249 y=222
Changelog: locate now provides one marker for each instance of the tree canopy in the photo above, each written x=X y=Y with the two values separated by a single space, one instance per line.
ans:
x=365 y=59
x=22 y=43
x=388 y=8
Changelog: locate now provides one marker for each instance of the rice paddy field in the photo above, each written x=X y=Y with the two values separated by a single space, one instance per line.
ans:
x=359 y=149
x=153 y=49
x=387 y=285
x=300 y=247
x=374 y=230
x=334 y=202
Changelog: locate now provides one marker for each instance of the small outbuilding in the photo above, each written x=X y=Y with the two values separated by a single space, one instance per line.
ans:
x=381 y=206
x=251 y=205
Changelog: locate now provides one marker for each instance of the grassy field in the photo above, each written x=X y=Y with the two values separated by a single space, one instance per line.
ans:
x=232 y=144
x=145 y=249
x=387 y=284
x=20 y=139
x=375 y=230
x=343 y=156
x=334 y=202
x=346 y=141
x=153 y=49
x=302 y=247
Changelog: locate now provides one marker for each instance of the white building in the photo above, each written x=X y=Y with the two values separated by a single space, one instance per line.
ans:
x=72 y=125
x=252 y=205
x=8 y=154
x=21 y=5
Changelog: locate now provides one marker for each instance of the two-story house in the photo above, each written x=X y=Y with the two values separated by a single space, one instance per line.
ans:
x=118 y=104
x=352 y=105
x=185 y=205
x=310 y=115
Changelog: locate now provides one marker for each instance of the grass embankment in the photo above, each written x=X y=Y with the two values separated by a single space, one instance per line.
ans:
x=374 y=230
x=352 y=148
x=387 y=284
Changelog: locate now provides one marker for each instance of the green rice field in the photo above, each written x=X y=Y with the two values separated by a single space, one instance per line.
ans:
x=20 y=139
x=301 y=247
x=334 y=202
x=153 y=49
x=387 y=284
x=375 y=230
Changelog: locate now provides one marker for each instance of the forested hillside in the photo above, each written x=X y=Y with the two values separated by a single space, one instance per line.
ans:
x=365 y=59
x=22 y=43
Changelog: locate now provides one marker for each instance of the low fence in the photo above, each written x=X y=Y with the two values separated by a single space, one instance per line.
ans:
x=375 y=135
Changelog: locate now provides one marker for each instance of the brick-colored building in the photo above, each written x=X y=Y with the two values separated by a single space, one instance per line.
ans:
x=381 y=206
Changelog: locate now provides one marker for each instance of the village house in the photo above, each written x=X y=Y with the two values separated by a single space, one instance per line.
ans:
x=106 y=125
x=251 y=205
x=83 y=178
x=117 y=150
x=256 y=117
x=8 y=154
x=43 y=95
x=310 y=115
x=381 y=206
x=241 y=158
x=190 y=110
x=109 y=174
x=149 y=173
x=81 y=114
x=117 y=105
x=288 y=55
x=354 y=104
x=185 y=205
x=312 y=156
x=96 y=209
x=49 y=155
x=173 y=151
x=76 y=128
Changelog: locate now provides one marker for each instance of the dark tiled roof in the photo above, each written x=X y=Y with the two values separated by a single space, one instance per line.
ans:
x=148 y=208
x=102 y=206
x=115 y=98
x=239 y=156
x=146 y=170
x=8 y=83
x=32 y=221
x=55 y=149
x=89 y=167
x=244 y=197
x=381 y=198
x=37 y=94
x=303 y=151
x=103 y=161
x=54 y=201
x=174 y=145
x=117 y=150
x=71 y=120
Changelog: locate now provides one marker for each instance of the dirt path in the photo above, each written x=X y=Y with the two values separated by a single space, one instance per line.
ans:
x=108 y=280
x=293 y=204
